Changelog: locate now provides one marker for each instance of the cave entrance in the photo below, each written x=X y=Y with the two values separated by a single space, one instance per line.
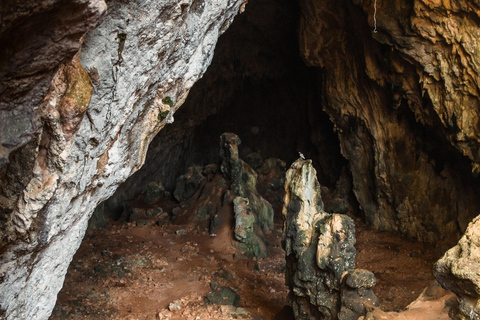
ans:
x=257 y=87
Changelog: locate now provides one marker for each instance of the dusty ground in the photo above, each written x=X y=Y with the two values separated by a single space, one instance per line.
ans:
x=165 y=271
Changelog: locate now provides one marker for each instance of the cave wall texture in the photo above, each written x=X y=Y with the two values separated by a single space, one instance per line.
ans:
x=83 y=133
x=85 y=85
x=405 y=105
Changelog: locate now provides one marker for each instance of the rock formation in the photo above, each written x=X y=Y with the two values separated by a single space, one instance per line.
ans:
x=243 y=180
x=142 y=59
x=252 y=212
x=406 y=114
x=247 y=231
x=398 y=81
x=357 y=295
x=319 y=246
x=458 y=271
x=398 y=88
x=35 y=37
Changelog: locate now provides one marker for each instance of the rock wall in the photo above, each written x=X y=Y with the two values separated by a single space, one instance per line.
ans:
x=88 y=130
x=397 y=79
x=401 y=88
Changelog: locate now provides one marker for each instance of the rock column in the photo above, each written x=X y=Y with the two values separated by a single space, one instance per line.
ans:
x=319 y=246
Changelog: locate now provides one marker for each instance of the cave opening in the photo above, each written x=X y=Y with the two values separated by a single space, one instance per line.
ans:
x=259 y=88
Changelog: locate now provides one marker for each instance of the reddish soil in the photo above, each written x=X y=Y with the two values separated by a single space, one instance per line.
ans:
x=165 y=271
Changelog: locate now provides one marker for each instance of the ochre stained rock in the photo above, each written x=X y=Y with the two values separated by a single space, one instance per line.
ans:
x=35 y=38
x=77 y=96
x=243 y=179
x=405 y=107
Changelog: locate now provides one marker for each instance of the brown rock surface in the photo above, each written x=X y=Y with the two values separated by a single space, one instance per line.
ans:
x=404 y=104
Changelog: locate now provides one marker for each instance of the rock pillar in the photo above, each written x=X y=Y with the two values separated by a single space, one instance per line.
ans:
x=319 y=246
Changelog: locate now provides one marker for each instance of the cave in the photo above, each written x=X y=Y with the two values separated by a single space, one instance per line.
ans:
x=108 y=104
x=257 y=87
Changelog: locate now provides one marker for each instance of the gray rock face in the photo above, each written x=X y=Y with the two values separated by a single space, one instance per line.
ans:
x=142 y=59
x=247 y=231
x=319 y=246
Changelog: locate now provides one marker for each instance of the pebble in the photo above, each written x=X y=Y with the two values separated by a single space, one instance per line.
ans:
x=175 y=305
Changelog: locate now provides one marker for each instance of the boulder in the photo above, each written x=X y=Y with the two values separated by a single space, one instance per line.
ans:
x=357 y=296
x=223 y=296
x=189 y=183
x=458 y=271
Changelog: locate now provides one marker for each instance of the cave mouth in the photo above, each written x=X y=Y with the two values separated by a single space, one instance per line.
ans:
x=257 y=87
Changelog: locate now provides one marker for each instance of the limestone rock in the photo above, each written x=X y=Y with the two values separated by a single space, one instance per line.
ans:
x=404 y=107
x=189 y=183
x=338 y=199
x=205 y=203
x=357 y=294
x=247 y=231
x=140 y=53
x=30 y=54
x=458 y=271
x=319 y=246
x=223 y=296
x=243 y=179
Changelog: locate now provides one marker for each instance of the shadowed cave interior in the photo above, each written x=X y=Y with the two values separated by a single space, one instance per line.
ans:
x=259 y=88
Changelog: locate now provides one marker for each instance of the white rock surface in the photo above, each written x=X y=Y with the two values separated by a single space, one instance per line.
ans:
x=140 y=53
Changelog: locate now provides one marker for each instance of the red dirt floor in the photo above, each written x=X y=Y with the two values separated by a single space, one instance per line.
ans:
x=165 y=271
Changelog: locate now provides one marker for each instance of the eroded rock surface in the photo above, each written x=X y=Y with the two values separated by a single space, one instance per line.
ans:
x=458 y=271
x=405 y=106
x=35 y=38
x=247 y=231
x=243 y=179
x=141 y=59
x=319 y=246
x=357 y=295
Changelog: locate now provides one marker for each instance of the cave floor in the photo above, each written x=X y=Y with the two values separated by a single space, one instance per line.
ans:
x=164 y=271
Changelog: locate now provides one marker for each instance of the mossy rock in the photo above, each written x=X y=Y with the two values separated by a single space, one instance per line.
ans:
x=223 y=296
